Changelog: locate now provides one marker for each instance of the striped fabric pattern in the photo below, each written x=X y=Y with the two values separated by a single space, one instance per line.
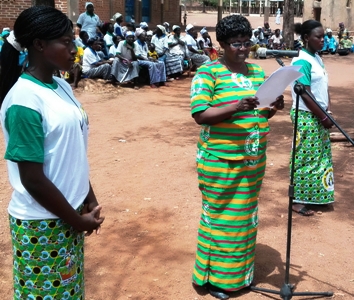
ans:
x=229 y=220
x=244 y=135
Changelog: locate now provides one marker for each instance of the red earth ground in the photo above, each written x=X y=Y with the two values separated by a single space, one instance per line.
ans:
x=142 y=154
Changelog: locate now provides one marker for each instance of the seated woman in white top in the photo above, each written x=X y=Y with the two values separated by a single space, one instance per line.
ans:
x=196 y=55
x=94 y=67
x=276 y=40
x=108 y=37
x=157 y=71
x=206 y=44
x=176 y=53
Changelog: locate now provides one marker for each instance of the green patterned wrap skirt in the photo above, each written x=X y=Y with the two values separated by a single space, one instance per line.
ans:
x=313 y=176
x=48 y=260
x=229 y=220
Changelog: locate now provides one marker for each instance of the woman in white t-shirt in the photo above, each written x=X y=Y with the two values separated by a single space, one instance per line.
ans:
x=313 y=167
x=197 y=55
x=45 y=130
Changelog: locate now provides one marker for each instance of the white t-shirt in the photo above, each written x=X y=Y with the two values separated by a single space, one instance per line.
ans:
x=190 y=41
x=90 y=57
x=140 y=49
x=124 y=51
x=178 y=49
x=108 y=38
x=113 y=50
x=160 y=43
x=89 y=23
x=63 y=127
x=315 y=76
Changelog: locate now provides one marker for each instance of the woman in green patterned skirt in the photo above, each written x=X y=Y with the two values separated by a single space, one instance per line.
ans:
x=313 y=170
x=231 y=160
x=45 y=129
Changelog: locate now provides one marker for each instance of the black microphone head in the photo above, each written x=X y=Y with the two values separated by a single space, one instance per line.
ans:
x=283 y=53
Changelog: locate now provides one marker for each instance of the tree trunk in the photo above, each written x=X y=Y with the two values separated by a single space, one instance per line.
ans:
x=43 y=2
x=288 y=23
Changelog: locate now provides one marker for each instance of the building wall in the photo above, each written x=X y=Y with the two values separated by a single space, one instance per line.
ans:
x=10 y=9
x=332 y=13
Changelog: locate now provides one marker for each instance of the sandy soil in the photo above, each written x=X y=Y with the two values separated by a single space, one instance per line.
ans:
x=142 y=155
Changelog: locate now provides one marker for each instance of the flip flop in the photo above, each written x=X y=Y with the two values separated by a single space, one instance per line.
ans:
x=305 y=212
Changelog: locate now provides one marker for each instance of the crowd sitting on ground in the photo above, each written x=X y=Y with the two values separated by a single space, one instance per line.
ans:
x=126 y=53
x=123 y=53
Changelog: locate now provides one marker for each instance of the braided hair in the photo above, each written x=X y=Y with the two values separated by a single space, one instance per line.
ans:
x=36 y=22
x=232 y=26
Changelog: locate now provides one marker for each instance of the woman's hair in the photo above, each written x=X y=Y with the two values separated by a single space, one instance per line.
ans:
x=306 y=27
x=232 y=26
x=36 y=22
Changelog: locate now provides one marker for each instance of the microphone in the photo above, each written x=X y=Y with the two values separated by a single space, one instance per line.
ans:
x=281 y=53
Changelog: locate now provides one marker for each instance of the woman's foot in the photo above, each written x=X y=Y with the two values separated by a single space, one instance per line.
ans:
x=153 y=86
x=136 y=87
x=302 y=210
x=163 y=84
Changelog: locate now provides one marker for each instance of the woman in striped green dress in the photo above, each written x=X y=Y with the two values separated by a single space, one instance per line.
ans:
x=231 y=160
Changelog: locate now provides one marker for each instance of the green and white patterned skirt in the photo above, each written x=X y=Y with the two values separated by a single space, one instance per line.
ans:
x=48 y=260
x=313 y=177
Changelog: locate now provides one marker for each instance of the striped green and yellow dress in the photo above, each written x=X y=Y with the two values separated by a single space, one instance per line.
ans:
x=231 y=162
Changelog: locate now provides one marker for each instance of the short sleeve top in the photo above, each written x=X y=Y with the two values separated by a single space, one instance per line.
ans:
x=243 y=136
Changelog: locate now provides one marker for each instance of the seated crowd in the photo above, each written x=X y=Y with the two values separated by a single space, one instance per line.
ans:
x=264 y=37
x=126 y=54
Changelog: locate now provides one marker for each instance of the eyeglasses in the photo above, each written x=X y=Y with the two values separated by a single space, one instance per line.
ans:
x=238 y=45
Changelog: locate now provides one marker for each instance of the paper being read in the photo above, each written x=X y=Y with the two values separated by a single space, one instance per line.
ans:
x=276 y=84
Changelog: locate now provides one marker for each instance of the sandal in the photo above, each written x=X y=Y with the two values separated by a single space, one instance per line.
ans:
x=304 y=211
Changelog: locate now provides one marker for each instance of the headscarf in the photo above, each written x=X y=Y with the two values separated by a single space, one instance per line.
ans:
x=166 y=24
x=174 y=27
x=328 y=30
x=116 y=16
x=189 y=27
x=204 y=30
x=139 y=31
x=6 y=29
x=150 y=33
x=144 y=25
x=12 y=41
x=162 y=28
x=88 y=3
x=341 y=24
x=129 y=33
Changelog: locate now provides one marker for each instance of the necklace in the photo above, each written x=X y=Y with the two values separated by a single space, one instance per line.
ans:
x=84 y=117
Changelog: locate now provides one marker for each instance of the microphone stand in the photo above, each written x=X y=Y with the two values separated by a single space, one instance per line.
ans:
x=287 y=290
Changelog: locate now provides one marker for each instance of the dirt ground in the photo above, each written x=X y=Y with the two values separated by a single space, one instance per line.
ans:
x=142 y=155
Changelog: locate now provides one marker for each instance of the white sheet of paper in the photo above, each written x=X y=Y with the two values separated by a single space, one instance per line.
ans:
x=276 y=84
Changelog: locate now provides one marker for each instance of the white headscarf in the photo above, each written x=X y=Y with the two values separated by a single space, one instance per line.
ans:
x=150 y=33
x=143 y=25
x=116 y=16
x=12 y=41
x=175 y=27
x=129 y=33
x=189 y=27
x=162 y=28
x=139 y=31
x=204 y=30
x=88 y=3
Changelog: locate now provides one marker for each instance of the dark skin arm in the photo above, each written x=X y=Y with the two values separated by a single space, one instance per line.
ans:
x=215 y=115
x=327 y=123
x=47 y=194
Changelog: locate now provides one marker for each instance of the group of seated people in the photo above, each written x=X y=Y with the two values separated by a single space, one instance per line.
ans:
x=342 y=45
x=122 y=54
x=265 y=37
